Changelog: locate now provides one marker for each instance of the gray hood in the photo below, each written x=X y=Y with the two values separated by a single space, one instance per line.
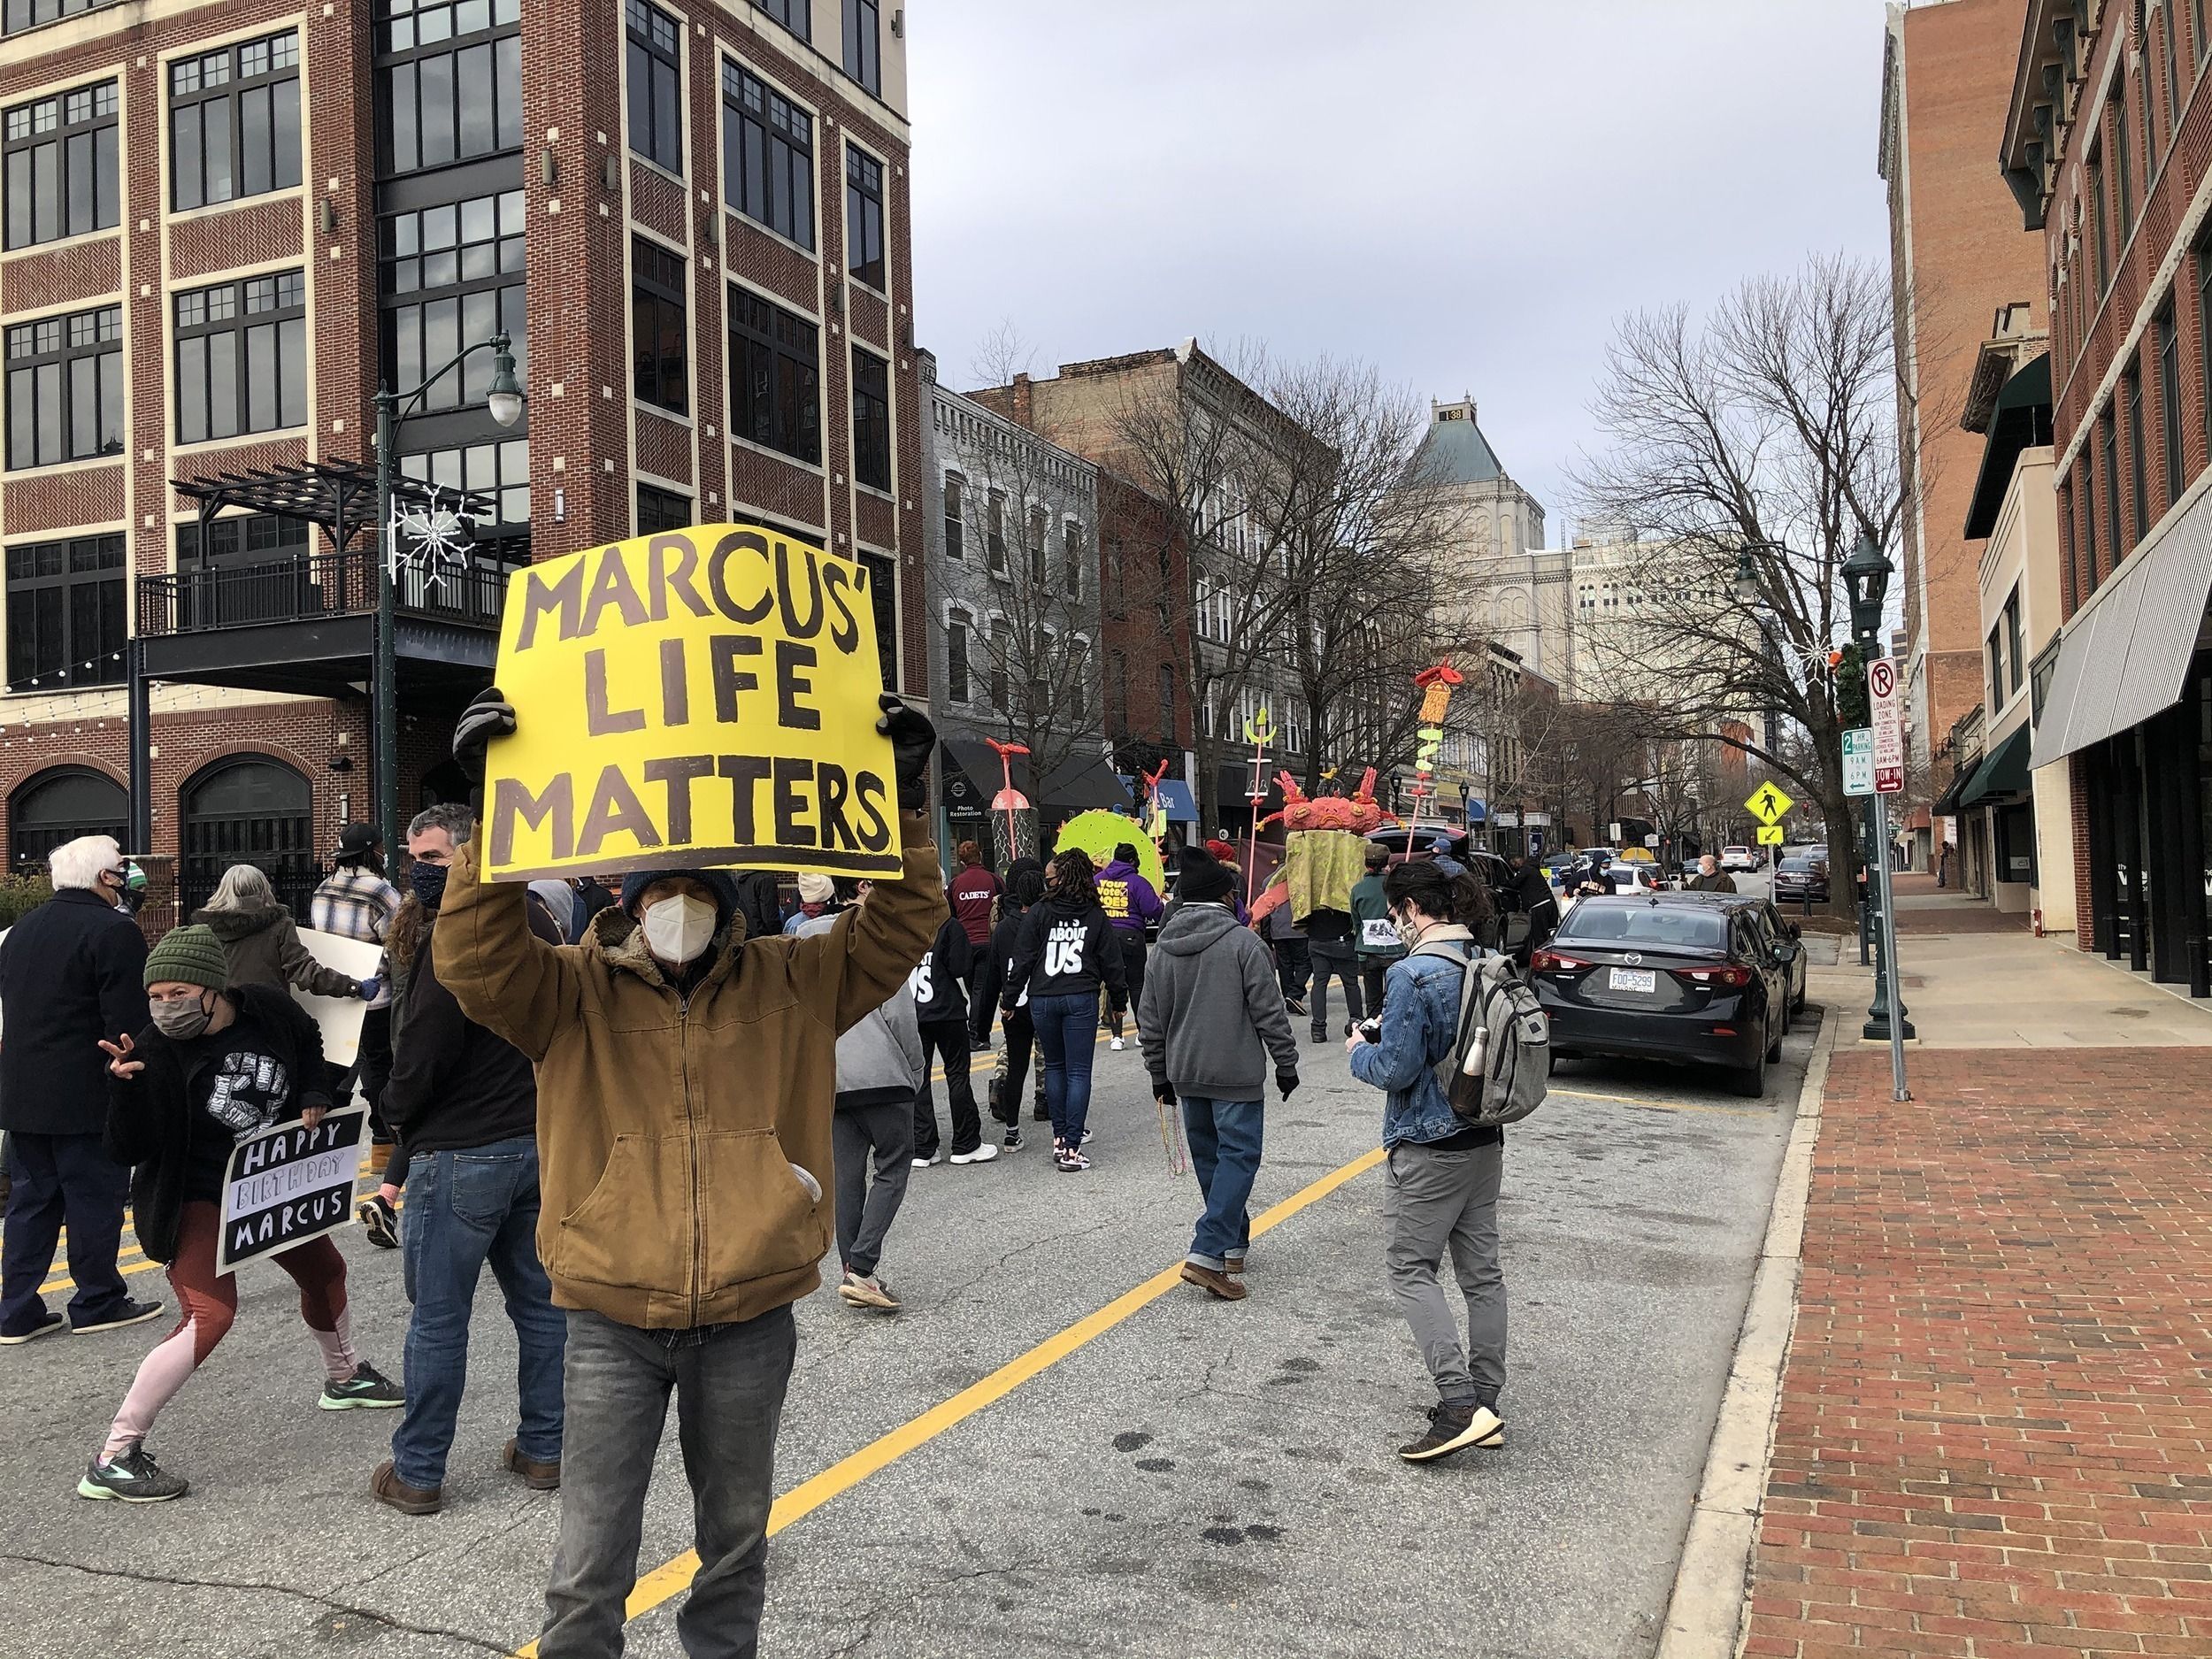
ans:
x=1195 y=927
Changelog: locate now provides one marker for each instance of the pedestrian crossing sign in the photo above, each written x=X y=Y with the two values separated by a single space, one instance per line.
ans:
x=1768 y=804
x=1770 y=835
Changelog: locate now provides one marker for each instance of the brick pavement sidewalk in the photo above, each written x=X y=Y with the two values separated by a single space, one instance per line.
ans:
x=1993 y=1438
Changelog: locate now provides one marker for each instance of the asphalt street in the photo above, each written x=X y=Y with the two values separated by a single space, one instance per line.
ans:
x=1170 y=1477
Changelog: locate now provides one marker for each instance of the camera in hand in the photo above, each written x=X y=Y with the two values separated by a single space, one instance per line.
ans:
x=1368 y=1030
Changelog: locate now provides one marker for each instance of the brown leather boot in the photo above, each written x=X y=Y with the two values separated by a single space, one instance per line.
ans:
x=536 y=1476
x=387 y=1487
x=1213 y=1283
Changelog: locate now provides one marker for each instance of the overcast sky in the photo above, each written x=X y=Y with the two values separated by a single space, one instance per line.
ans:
x=1463 y=192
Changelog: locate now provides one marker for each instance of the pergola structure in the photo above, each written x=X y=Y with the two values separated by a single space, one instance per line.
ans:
x=338 y=495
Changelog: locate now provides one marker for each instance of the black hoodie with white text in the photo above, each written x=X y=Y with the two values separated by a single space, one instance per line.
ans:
x=1066 y=950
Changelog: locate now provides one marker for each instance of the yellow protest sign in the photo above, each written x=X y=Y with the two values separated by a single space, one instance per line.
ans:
x=700 y=698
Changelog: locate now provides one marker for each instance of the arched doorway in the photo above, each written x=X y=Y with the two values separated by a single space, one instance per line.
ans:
x=248 y=809
x=58 y=805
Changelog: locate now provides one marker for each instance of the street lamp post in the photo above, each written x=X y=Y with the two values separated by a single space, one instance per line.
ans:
x=503 y=399
x=1866 y=574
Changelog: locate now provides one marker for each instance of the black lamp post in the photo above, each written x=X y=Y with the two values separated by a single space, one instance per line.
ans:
x=1866 y=575
x=503 y=400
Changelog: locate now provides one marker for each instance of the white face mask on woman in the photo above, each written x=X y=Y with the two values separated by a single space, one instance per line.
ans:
x=677 y=929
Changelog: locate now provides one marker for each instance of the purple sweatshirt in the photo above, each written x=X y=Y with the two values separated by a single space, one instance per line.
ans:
x=1127 y=897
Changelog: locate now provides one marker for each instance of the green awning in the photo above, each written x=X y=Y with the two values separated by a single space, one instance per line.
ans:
x=2003 y=771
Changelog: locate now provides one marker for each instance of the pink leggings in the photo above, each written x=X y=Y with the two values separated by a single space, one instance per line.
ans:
x=207 y=1303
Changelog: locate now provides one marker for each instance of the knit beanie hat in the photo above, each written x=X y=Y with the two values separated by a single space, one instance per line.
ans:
x=1202 y=878
x=188 y=956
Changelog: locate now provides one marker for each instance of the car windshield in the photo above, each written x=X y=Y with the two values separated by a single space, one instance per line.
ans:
x=1798 y=866
x=1677 y=925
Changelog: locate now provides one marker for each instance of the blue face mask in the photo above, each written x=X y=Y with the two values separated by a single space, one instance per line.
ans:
x=428 y=881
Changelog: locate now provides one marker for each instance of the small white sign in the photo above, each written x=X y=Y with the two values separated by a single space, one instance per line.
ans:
x=1889 y=726
x=1858 y=760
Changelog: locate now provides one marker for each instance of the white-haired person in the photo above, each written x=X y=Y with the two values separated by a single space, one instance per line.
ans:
x=262 y=942
x=69 y=977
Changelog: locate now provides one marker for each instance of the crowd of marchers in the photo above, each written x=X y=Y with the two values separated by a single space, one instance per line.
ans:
x=652 y=1112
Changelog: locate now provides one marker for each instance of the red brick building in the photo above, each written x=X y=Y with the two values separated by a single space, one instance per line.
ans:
x=2107 y=144
x=224 y=225
x=1957 y=255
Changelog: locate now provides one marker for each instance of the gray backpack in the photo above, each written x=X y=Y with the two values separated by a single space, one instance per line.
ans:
x=1499 y=1065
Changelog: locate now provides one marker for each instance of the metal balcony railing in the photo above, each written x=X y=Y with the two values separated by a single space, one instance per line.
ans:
x=305 y=589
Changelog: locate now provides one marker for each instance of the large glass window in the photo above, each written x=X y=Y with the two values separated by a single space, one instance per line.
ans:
x=655 y=45
x=234 y=121
x=1074 y=545
x=955 y=524
x=499 y=470
x=29 y=14
x=871 y=419
x=796 y=15
x=2139 y=492
x=61 y=170
x=659 y=509
x=957 y=626
x=2123 y=166
x=242 y=357
x=767 y=156
x=2015 y=641
x=2115 y=526
x=65 y=388
x=65 y=612
x=2101 y=236
x=2169 y=402
x=863 y=220
x=451 y=82
x=864 y=43
x=775 y=377
x=452 y=277
x=661 y=375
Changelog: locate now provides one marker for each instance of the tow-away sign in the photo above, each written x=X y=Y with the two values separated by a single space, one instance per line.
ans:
x=1889 y=726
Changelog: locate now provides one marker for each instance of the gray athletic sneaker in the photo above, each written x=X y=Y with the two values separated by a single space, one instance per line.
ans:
x=132 y=1478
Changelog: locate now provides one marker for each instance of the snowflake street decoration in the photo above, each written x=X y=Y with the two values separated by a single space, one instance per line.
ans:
x=439 y=538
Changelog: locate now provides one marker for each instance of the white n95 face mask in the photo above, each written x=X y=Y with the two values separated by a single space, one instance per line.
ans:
x=677 y=929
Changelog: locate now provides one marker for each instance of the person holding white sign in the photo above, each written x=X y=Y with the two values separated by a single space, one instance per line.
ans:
x=217 y=1066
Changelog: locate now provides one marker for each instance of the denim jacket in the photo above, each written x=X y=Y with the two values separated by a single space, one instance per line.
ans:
x=1420 y=1017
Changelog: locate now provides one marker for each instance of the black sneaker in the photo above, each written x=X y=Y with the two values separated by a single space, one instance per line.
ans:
x=129 y=1313
x=1296 y=1005
x=1013 y=1137
x=47 y=1323
x=1040 y=1113
x=1453 y=1426
x=132 y=1478
x=380 y=1221
x=367 y=1388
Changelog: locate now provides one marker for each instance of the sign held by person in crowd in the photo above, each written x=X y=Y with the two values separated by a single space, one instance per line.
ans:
x=288 y=1184
x=697 y=697
x=339 y=1017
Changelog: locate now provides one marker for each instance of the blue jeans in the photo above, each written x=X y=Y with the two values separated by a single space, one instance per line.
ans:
x=466 y=1209
x=1225 y=1153
x=729 y=1383
x=1065 y=1028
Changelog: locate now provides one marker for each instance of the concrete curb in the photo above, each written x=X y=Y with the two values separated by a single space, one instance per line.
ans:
x=1705 y=1610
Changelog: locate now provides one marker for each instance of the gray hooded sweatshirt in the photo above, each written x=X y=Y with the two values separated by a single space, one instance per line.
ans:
x=1212 y=1010
x=881 y=1059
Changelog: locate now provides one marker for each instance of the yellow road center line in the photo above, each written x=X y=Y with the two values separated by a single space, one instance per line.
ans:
x=670 y=1578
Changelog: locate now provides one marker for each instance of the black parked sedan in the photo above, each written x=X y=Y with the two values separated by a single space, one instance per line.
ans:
x=1671 y=975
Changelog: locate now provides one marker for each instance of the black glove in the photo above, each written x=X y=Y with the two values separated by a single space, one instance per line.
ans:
x=913 y=740
x=1163 y=1093
x=1285 y=1081
x=489 y=715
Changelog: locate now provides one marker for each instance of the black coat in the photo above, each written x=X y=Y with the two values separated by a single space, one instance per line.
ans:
x=454 y=1085
x=71 y=972
x=150 y=1115
x=951 y=960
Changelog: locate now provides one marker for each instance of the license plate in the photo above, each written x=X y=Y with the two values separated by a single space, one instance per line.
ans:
x=1634 y=979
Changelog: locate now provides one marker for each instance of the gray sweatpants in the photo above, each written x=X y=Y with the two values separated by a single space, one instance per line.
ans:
x=1437 y=1201
x=861 y=1137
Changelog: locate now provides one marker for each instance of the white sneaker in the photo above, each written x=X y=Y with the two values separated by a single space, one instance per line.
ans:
x=1117 y=1045
x=935 y=1157
x=983 y=1154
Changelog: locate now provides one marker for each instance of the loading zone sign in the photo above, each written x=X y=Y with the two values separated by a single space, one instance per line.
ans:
x=288 y=1185
x=1888 y=709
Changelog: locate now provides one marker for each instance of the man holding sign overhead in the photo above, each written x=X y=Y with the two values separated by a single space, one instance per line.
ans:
x=681 y=704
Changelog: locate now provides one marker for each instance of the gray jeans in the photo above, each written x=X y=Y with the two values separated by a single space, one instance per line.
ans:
x=861 y=1137
x=1435 y=1201
x=729 y=1384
